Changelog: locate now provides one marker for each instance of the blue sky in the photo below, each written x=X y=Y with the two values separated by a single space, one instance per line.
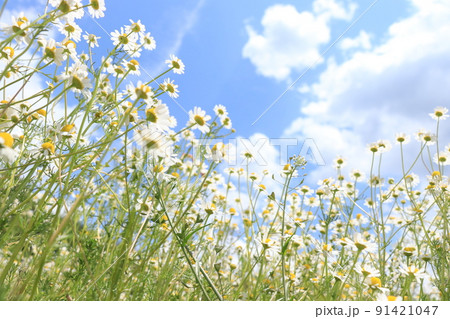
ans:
x=384 y=76
x=214 y=34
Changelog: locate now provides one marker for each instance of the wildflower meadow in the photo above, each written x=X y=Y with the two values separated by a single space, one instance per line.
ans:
x=107 y=196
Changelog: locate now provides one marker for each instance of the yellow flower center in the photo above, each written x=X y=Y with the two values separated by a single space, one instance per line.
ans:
x=175 y=65
x=375 y=281
x=49 y=147
x=123 y=39
x=158 y=168
x=209 y=210
x=8 y=51
x=64 y=7
x=170 y=88
x=247 y=222
x=132 y=65
x=391 y=298
x=8 y=140
x=151 y=115
x=50 y=52
x=135 y=27
x=142 y=92
x=436 y=174
x=77 y=83
x=119 y=70
x=22 y=20
x=69 y=28
x=199 y=120
x=95 y=4
x=67 y=128
x=413 y=271
x=70 y=43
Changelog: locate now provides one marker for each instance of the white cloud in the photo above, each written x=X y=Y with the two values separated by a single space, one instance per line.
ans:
x=379 y=92
x=332 y=9
x=291 y=40
x=267 y=154
x=31 y=12
x=362 y=41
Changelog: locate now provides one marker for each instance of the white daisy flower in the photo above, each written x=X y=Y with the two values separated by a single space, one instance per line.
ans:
x=426 y=137
x=8 y=114
x=154 y=141
x=125 y=40
x=135 y=27
x=226 y=122
x=69 y=29
x=339 y=162
x=19 y=29
x=440 y=113
x=384 y=146
x=141 y=91
x=402 y=138
x=216 y=153
x=359 y=243
x=147 y=41
x=7 y=53
x=442 y=158
x=73 y=9
x=6 y=148
x=176 y=64
x=51 y=52
x=91 y=39
x=97 y=8
x=78 y=80
x=158 y=114
x=199 y=119
x=220 y=111
x=412 y=271
x=132 y=67
x=170 y=88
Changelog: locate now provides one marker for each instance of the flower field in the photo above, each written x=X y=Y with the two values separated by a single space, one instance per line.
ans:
x=106 y=196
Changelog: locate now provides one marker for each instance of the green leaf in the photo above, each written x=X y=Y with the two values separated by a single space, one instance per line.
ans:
x=188 y=236
x=272 y=196
x=285 y=245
